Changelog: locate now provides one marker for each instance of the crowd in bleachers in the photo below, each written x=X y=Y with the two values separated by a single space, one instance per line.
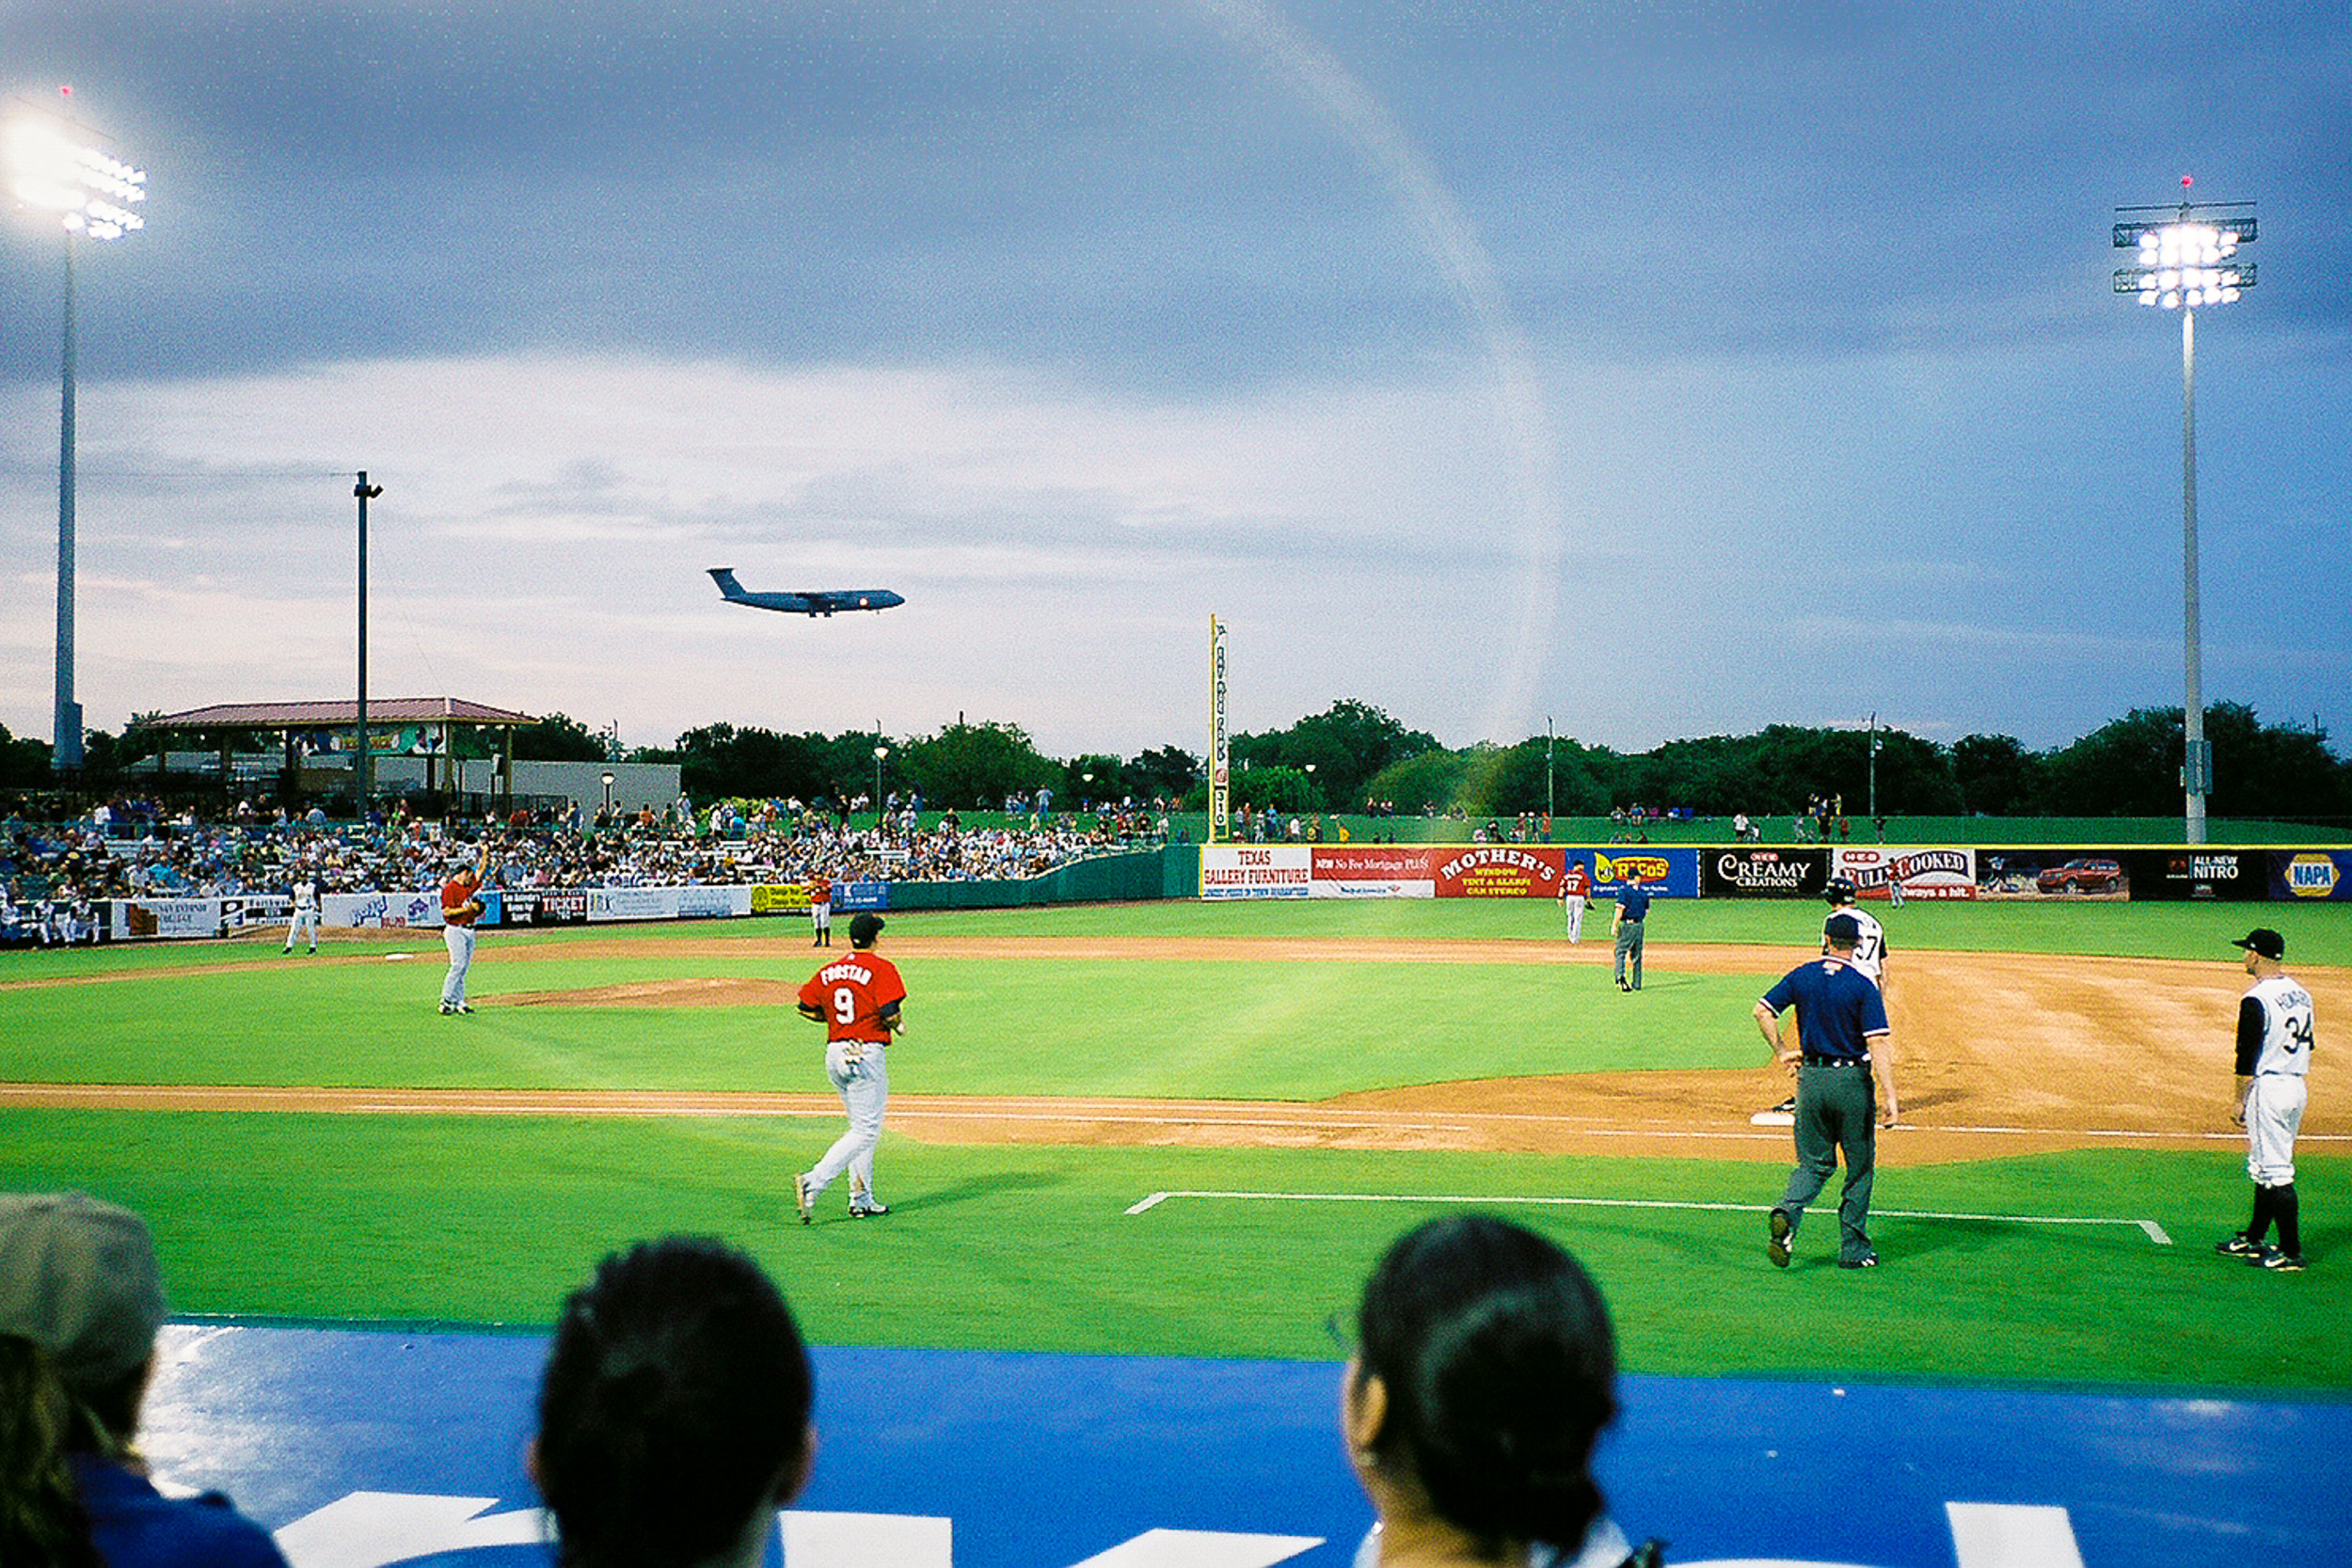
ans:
x=53 y=876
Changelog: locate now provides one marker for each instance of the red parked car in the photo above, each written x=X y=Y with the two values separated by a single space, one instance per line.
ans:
x=2082 y=876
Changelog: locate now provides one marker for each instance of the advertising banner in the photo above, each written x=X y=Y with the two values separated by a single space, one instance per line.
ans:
x=2198 y=873
x=1877 y=870
x=137 y=919
x=780 y=898
x=852 y=896
x=1220 y=749
x=2068 y=874
x=1499 y=871
x=1256 y=871
x=2311 y=873
x=1754 y=872
x=568 y=907
x=1666 y=873
x=1373 y=871
x=388 y=911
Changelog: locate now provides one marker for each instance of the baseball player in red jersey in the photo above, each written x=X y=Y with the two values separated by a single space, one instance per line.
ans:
x=461 y=906
x=820 y=909
x=856 y=997
x=1576 y=893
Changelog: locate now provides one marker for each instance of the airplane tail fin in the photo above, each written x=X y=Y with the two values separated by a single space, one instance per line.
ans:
x=724 y=578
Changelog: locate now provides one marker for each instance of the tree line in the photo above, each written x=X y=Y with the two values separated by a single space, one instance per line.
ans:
x=1353 y=755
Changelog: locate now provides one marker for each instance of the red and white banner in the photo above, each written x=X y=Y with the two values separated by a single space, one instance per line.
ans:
x=1374 y=871
x=1255 y=871
x=1922 y=873
x=1499 y=871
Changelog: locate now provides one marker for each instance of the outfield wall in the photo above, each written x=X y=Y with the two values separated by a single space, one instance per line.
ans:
x=1245 y=871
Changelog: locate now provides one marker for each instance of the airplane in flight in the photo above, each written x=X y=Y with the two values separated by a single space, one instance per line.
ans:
x=821 y=602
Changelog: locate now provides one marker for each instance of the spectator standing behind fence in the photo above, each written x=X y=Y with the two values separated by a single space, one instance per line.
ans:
x=81 y=1300
x=674 y=1414
x=1485 y=1372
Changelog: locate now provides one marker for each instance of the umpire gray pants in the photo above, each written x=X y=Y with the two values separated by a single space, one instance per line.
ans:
x=1836 y=1111
x=1630 y=947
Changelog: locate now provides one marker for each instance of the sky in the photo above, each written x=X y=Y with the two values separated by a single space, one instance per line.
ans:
x=1643 y=370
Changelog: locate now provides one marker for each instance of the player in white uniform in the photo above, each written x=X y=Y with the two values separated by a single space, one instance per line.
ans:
x=1869 y=952
x=306 y=910
x=2273 y=1062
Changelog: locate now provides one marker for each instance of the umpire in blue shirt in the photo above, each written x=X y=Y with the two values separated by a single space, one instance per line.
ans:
x=1844 y=1047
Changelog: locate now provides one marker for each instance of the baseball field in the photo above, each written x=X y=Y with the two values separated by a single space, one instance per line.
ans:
x=1186 y=1129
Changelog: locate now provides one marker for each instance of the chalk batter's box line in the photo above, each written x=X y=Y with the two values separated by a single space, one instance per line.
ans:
x=2154 y=1232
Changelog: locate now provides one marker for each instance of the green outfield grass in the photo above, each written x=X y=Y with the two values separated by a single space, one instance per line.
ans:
x=491 y=1219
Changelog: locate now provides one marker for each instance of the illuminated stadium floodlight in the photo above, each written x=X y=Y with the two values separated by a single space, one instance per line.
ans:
x=55 y=166
x=2186 y=262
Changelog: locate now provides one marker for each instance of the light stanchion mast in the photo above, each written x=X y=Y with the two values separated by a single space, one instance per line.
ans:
x=2185 y=262
x=55 y=166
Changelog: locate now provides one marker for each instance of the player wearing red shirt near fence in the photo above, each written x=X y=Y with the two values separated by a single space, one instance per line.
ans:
x=856 y=997
x=461 y=906
x=820 y=909
x=1576 y=893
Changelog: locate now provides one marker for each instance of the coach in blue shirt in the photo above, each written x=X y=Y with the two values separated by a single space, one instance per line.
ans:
x=1844 y=1047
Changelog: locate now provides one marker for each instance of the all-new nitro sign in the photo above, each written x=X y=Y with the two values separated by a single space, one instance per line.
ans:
x=1499 y=871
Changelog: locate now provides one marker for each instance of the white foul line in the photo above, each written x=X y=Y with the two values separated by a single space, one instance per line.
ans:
x=2154 y=1232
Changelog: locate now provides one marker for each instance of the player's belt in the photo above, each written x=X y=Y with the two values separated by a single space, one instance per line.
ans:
x=1811 y=1060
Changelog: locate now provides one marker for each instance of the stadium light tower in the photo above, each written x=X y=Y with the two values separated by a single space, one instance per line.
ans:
x=2184 y=261
x=56 y=167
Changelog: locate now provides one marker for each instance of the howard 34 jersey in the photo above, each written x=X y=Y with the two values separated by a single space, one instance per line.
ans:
x=2274 y=1029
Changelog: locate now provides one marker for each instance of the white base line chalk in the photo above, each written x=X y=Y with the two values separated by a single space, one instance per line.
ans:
x=2154 y=1232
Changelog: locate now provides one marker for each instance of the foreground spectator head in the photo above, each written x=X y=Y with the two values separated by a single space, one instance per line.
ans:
x=1484 y=1370
x=81 y=1301
x=674 y=1419
x=78 y=1281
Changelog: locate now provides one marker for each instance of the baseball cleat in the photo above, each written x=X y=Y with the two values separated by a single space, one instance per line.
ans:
x=867 y=1210
x=1777 y=1247
x=2237 y=1245
x=1867 y=1260
x=447 y=1010
x=803 y=1197
x=2278 y=1263
x=1787 y=1107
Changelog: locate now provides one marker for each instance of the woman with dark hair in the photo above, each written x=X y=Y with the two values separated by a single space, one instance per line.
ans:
x=674 y=1416
x=1484 y=1370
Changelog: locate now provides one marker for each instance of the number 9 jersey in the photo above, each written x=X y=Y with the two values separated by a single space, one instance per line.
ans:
x=857 y=995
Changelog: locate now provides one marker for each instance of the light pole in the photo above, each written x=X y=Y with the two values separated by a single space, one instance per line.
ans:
x=1312 y=797
x=608 y=797
x=363 y=762
x=2184 y=263
x=55 y=166
x=879 y=753
x=1874 y=768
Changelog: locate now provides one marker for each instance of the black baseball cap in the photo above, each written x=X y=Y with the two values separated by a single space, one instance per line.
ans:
x=2263 y=940
x=1842 y=927
x=1840 y=890
x=863 y=929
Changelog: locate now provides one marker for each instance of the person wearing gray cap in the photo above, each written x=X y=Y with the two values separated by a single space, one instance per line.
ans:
x=81 y=1300
x=2274 y=1063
